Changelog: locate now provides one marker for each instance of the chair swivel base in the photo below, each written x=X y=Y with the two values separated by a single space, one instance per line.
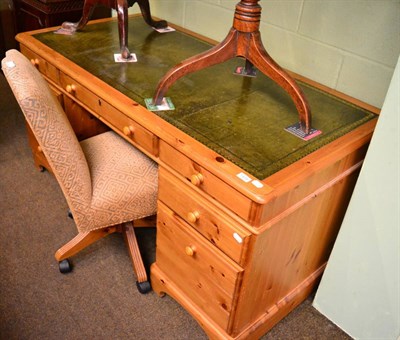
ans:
x=65 y=267
x=84 y=239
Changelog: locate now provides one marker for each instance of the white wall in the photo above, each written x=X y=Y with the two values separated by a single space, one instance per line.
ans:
x=348 y=45
x=360 y=289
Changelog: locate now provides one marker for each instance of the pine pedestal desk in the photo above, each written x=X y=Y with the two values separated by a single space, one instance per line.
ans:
x=248 y=213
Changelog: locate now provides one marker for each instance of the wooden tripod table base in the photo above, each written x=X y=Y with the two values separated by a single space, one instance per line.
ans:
x=243 y=40
x=121 y=6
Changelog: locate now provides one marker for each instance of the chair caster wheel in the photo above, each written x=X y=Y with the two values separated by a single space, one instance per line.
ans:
x=70 y=214
x=143 y=287
x=65 y=266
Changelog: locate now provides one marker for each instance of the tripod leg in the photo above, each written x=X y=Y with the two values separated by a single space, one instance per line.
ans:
x=88 y=8
x=218 y=54
x=145 y=9
x=262 y=60
x=122 y=11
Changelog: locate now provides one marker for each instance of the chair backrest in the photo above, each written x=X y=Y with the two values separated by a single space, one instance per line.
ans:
x=51 y=128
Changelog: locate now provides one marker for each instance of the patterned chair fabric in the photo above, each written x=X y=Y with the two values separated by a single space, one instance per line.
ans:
x=105 y=180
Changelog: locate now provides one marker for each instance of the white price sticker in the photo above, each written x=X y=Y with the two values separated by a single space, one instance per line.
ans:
x=257 y=184
x=237 y=237
x=244 y=177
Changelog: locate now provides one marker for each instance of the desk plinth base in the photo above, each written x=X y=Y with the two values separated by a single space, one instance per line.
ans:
x=162 y=285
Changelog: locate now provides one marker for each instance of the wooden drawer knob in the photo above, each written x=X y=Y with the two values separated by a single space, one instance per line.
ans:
x=39 y=148
x=70 y=88
x=35 y=62
x=190 y=250
x=128 y=130
x=193 y=216
x=197 y=179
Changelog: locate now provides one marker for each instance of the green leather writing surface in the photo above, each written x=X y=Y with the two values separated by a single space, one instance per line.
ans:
x=241 y=118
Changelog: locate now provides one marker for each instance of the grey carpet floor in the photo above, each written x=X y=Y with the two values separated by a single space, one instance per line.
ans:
x=99 y=299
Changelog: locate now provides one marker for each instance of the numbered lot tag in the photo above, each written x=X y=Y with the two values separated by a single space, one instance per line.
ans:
x=118 y=58
x=296 y=130
x=166 y=104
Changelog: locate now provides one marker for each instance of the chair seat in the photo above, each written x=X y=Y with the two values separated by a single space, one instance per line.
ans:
x=109 y=185
x=124 y=182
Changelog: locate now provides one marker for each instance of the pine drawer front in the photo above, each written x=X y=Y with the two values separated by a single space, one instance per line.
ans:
x=205 y=180
x=136 y=133
x=204 y=274
x=219 y=229
x=42 y=65
x=114 y=118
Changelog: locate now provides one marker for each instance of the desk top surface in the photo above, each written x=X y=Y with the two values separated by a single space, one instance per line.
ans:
x=241 y=118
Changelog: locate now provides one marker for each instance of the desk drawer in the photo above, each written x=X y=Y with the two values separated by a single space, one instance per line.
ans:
x=42 y=65
x=213 y=224
x=117 y=120
x=127 y=126
x=208 y=277
x=206 y=181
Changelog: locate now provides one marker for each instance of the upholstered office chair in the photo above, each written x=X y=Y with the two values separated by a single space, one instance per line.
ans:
x=106 y=181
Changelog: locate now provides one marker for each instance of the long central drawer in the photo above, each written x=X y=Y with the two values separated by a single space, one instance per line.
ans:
x=114 y=118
